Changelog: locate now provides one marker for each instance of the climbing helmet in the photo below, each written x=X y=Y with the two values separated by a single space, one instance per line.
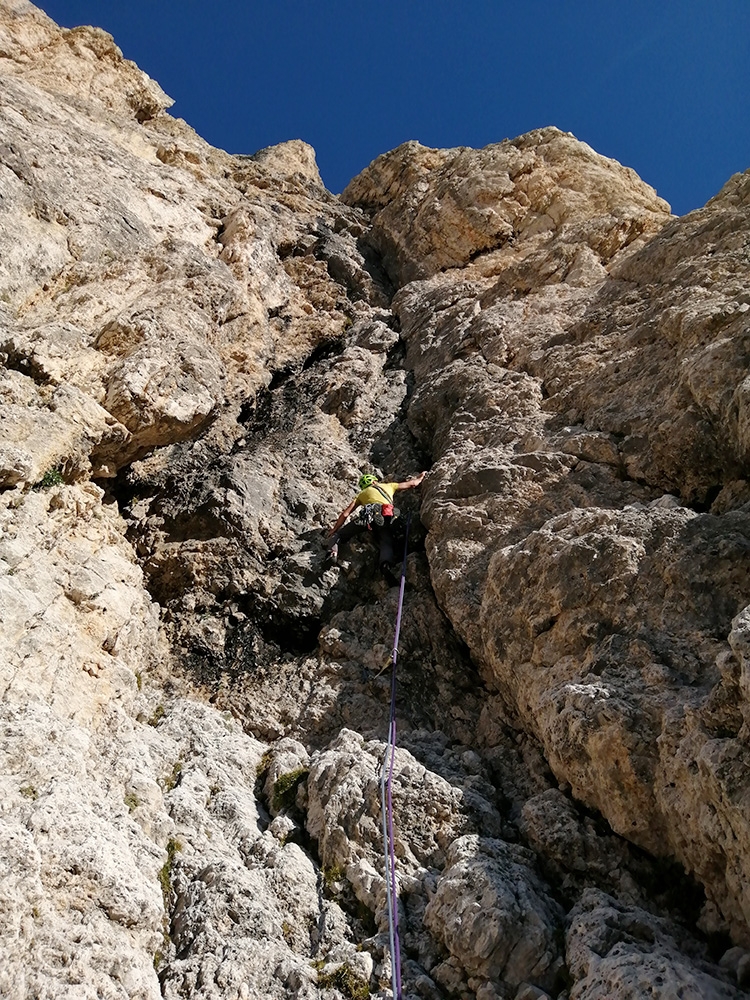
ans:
x=366 y=480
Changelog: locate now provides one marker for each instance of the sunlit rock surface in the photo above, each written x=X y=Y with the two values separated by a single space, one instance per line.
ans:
x=199 y=354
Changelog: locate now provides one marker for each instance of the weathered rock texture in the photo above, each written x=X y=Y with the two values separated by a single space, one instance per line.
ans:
x=199 y=353
x=580 y=428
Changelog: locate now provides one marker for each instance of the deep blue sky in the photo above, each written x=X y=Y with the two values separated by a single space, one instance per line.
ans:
x=662 y=86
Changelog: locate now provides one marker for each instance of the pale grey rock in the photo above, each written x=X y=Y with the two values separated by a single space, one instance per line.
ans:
x=245 y=913
x=430 y=811
x=80 y=891
x=16 y=465
x=743 y=971
x=572 y=844
x=528 y=992
x=167 y=379
x=736 y=962
x=288 y=764
x=624 y=749
x=77 y=623
x=343 y=814
x=614 y=951
x=494 y=915
x=739 y=640
x=55 y=429
x=375 y=335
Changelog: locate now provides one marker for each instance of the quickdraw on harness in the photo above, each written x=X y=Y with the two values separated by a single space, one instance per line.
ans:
x=386 y=800
x=372 y=514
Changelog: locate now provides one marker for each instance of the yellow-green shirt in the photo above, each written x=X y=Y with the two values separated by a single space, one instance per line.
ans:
x=372 y=495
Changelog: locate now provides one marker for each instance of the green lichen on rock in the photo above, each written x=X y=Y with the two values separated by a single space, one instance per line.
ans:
x=173 y=778
x=157 y=715
x=346 y=981
x=263 y=764
x=285 y=788
x=165 y=874
x=331 y=875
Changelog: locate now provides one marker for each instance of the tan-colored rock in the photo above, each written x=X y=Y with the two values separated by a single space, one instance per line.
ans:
x=290 y=159
x=542 y=399
x=214 y=339
x=152 y=275
x=81 y=61
x=439 y=209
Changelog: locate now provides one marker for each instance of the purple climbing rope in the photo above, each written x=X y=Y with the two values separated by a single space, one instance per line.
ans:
x=386 y=794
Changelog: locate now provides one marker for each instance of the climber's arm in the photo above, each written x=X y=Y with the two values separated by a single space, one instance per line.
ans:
x=411 y=483
x=342 y=517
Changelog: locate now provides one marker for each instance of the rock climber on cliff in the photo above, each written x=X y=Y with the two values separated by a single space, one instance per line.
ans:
x=376 y=515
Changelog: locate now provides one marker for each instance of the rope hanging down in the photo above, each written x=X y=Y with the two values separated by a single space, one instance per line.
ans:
x=386 y=781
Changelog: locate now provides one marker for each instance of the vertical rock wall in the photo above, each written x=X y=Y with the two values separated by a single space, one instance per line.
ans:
x=199 y=355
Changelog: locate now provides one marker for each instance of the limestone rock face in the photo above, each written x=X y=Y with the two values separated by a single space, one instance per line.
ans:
x=199 y=355
x=73 y=602
x=439 y=209
x=492 y=914
x=578 y=406
x=615 y=951
x=290 y=159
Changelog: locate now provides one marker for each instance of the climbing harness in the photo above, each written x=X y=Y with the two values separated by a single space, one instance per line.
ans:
x=386 y=800
x=376 y=513
x=372 y=514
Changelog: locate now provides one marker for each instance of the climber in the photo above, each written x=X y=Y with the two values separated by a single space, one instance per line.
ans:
x=377 y=513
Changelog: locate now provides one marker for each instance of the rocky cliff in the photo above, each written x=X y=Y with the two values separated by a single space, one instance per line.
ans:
x=199 y=354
